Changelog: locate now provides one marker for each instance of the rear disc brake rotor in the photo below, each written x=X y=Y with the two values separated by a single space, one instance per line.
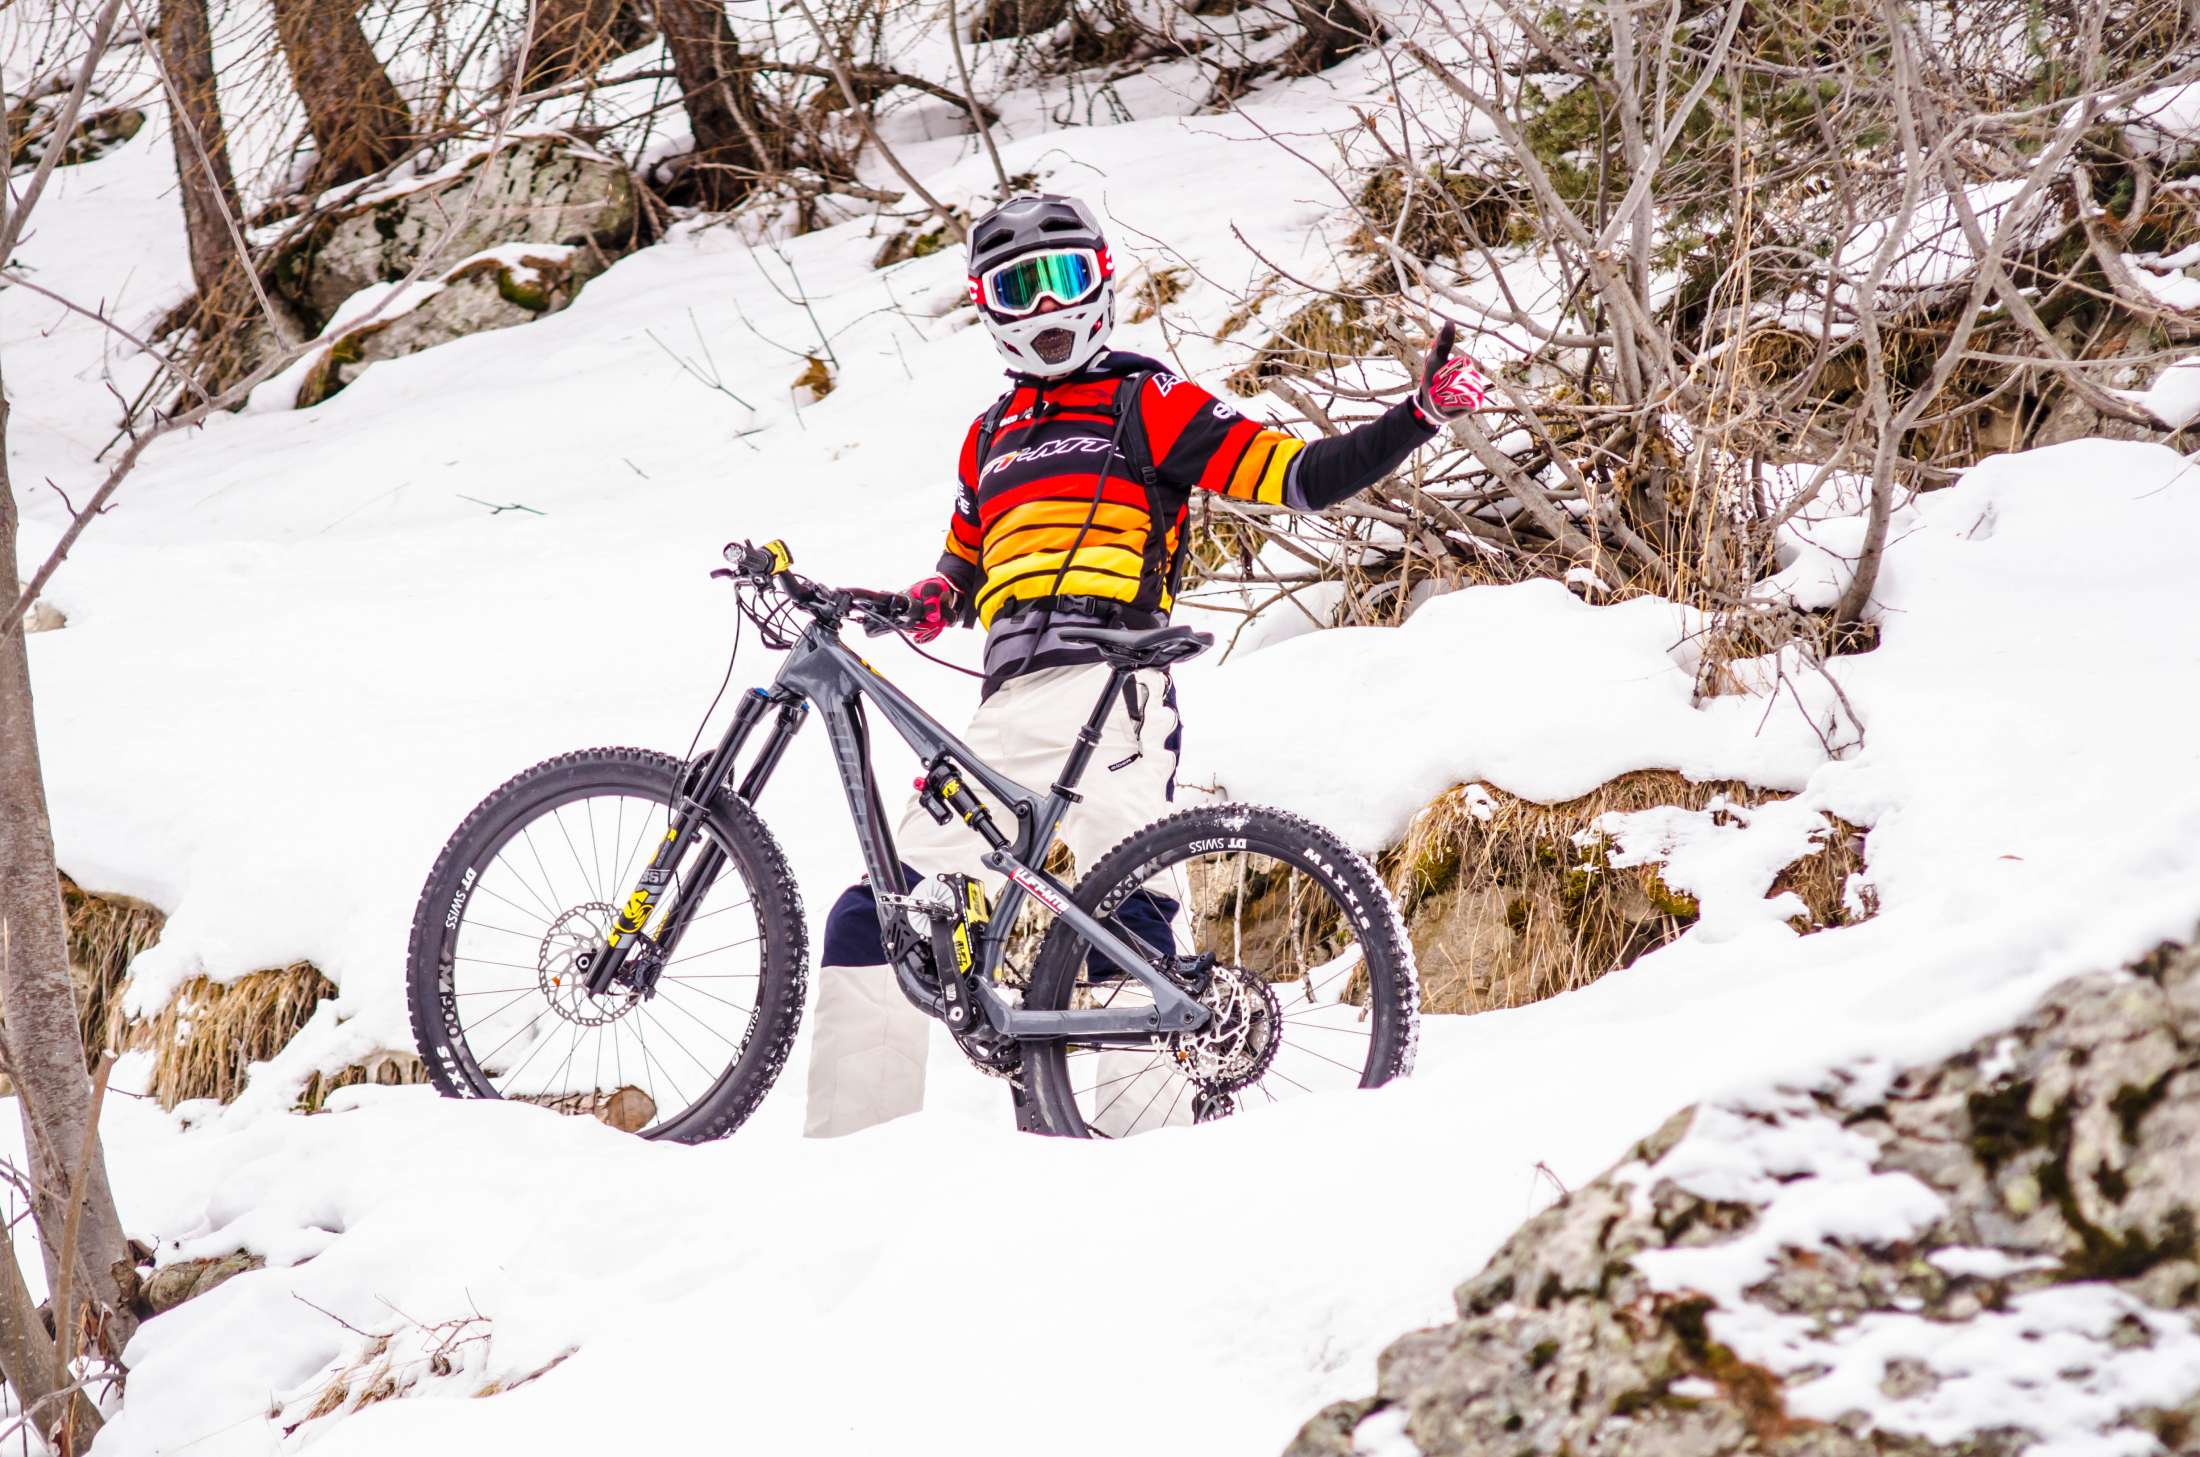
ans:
x=1243 y=1032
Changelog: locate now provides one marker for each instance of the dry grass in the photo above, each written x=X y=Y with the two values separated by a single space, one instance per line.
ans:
x=393 y=1364
x=1510 y=901
x=104 y=933
x=815 y=381
x=1443 y=213
x=206 y=1039
x=1154 y=291
x=1319 y=339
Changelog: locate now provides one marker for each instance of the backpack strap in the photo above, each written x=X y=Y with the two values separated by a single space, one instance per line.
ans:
x=989 y=425
x=1130 y=428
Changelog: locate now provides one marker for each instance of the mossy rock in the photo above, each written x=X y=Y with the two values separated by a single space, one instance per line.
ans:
x=537 y=191
x=493 y=291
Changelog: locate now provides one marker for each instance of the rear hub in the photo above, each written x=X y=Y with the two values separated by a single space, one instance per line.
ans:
x=1238 y=1043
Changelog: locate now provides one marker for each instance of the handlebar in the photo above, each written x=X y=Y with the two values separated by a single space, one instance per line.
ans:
x=773 y=565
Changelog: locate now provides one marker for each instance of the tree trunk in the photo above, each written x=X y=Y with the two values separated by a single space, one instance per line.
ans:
x=359 y=122
x=44 y=1050
x=202 y=154
x=571 y=38
x=719 y=93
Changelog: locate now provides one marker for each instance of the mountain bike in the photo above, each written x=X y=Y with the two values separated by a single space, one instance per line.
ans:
x=616 y=933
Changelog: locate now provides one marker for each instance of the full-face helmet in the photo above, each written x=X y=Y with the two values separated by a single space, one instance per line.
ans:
x=1041 y=277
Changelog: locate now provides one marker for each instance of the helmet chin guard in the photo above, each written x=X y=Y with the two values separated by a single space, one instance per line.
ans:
x=1058 y=341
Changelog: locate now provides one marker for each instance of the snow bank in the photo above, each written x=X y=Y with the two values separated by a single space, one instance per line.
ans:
x=1525 y=687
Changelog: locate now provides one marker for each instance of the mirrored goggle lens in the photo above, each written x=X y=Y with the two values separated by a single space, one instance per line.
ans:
x=1017 y=287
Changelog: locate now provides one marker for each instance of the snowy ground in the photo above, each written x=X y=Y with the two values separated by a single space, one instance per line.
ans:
x=299 y=652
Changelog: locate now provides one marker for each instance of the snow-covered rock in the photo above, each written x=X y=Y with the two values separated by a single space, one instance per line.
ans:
x=1991 y=1254
x=536 y=190
x=516 y=283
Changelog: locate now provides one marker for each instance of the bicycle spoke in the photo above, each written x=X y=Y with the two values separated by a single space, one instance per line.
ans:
x=474 y=925
x=747 y=941
x=524 y=994
x=1310 y=1052
x=744 y=1011
x=713 y=1031
x=487 y=889
x=558 y=817
x=485 y=961
x=667 y=1034
x=595 y=850
x=549 y=881
x=490 y=1056
x=649 y=1060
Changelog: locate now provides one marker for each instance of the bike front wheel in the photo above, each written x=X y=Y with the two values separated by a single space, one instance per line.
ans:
x=1286 y=935
x=690 y=1037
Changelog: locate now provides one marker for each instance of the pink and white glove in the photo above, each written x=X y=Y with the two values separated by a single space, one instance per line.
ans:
x=935 y=600
x=1450 y=387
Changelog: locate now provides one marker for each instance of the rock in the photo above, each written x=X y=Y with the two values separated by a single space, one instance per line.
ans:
x=171 y=1285
x=94 y=136
x=536 y=190
x=512 y=284
x=1852 y=1269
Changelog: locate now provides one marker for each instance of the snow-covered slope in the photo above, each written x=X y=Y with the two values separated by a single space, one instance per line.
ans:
x=307 y=642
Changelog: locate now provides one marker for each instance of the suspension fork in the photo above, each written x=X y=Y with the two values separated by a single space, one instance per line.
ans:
x=699 y=786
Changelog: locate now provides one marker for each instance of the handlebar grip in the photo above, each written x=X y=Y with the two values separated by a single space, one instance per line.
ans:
x=767 y=560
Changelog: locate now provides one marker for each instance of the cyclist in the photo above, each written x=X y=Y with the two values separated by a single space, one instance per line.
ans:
x=1071 y=512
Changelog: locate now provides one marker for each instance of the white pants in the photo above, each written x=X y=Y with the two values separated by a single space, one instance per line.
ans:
x=867 y=1049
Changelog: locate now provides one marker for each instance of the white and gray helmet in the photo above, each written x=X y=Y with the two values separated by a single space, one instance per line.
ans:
x=1036 y=340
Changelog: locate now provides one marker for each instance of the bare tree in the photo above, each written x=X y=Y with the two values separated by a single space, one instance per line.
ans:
x=80 y=1230
x=201 y=141
x=718 y=90
x=1728 y=255
x=571 y=38
x=358 y=121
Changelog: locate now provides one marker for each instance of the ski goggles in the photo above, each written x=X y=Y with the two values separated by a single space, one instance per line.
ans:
x=1068 y=277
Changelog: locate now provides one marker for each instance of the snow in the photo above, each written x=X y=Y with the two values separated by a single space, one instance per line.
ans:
x=2168 y=287
x=2162 y=120
x=2174 y=397
x=1519 y=686
x=302 y=647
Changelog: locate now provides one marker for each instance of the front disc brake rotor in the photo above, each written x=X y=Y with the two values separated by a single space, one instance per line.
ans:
x=562 y=967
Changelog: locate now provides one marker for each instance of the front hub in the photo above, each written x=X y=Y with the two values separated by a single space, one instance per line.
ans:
x=568 y=948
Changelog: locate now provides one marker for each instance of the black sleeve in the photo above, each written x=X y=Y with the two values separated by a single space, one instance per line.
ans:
x=1335 y=467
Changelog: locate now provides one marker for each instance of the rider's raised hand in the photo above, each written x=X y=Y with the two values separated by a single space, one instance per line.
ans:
x=1450 y=387
x=935 y=600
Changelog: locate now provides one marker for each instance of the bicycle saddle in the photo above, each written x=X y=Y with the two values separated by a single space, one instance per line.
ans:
x=1138 y=648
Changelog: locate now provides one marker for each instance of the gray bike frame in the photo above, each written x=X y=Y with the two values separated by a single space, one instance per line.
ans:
x=821 y=670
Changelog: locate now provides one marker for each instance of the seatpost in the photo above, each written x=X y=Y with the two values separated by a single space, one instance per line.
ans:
x=1088 y=737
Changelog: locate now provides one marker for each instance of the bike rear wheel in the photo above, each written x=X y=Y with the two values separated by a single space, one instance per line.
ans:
x=684 y=1046
x=1307 y=970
